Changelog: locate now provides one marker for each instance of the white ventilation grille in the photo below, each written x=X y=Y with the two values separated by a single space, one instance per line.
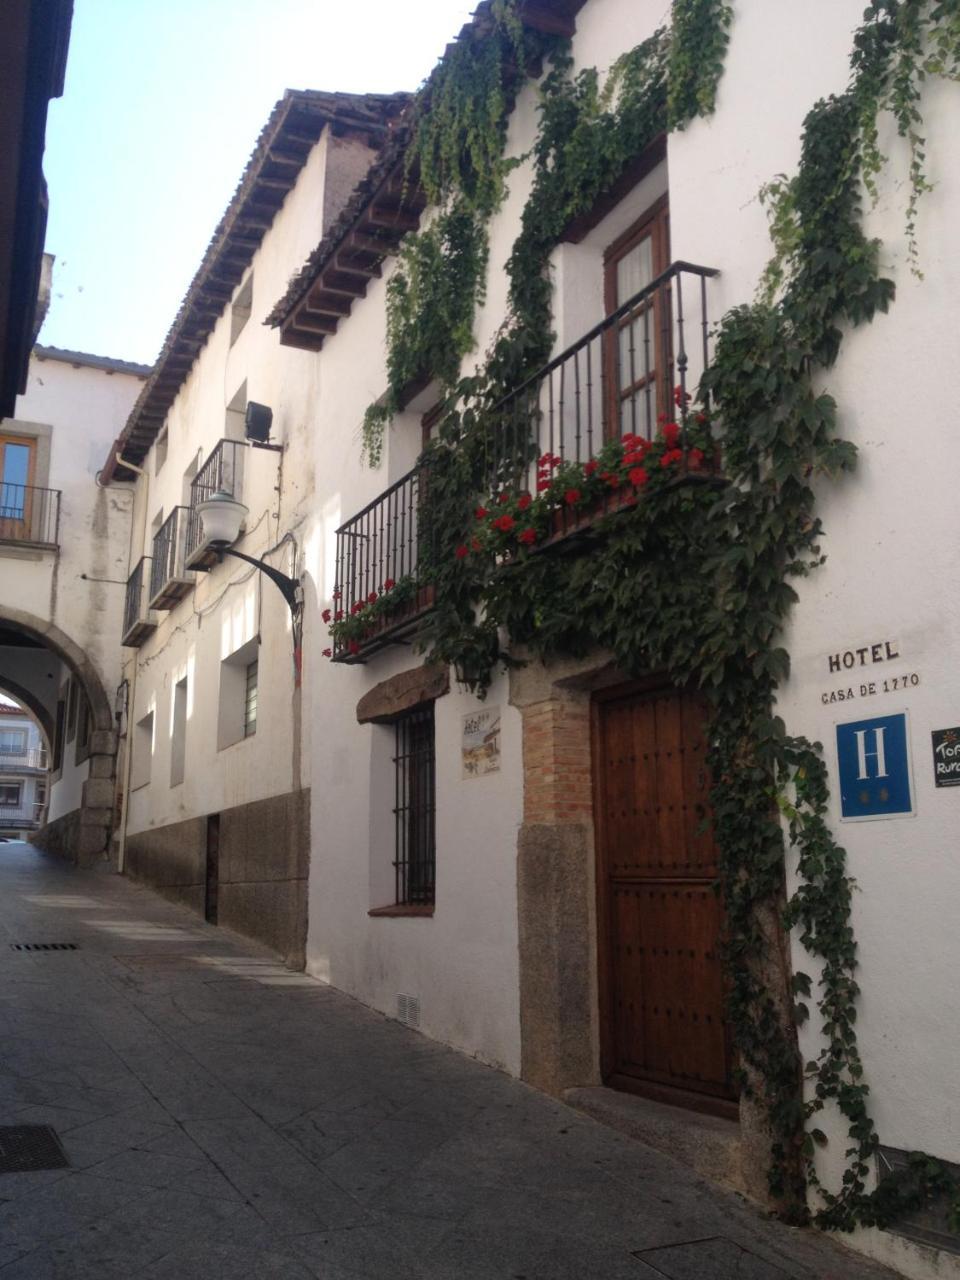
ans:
x=408 y=1010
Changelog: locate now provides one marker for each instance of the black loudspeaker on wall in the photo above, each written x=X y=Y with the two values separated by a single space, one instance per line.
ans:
x=257 y=422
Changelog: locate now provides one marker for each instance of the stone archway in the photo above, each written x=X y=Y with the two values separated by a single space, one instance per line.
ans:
x=84 y=834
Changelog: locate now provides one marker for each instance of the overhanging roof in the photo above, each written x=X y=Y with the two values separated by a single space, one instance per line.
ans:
x=385 y=205
x=84 y=359
x=34 y=35
x=294 y=127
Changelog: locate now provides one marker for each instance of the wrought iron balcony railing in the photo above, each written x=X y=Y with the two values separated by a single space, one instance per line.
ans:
x=138 y=620
x=170 y=579
x=633 y=369
x=382 y=570
x=221 y=473
x=22 y=816
x=29 y=515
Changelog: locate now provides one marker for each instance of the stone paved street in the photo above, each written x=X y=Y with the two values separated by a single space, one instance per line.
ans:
x=226 y=1118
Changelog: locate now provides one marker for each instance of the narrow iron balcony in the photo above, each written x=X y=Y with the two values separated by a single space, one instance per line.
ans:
x=170 y=580
x=30 y=760
x=138 y=620
x=604 y=400
x=382 y=578
x=221 y=473
x=29 y=516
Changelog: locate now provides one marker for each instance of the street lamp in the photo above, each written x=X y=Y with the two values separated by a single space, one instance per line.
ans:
x=222 y=516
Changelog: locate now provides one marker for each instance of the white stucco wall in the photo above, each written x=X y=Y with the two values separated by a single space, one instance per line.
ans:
x=891 y=570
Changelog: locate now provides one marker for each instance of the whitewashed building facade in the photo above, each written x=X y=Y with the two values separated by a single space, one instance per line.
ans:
x=448 y=860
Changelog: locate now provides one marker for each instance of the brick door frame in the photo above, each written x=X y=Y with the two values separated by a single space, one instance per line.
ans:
x=557 y=900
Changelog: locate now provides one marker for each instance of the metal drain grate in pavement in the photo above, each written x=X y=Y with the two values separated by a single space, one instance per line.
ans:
x=44 y=946
x=716 y=1256
x=27 y=1147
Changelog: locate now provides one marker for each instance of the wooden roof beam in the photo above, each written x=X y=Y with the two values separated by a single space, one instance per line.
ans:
x=330 y=304
x=314 y=323
x=291 y=337
x=349 y=284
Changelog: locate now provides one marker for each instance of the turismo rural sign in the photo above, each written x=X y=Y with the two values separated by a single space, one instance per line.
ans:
x=946 y=757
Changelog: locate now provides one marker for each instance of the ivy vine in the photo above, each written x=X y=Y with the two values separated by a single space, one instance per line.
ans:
x=696 y=580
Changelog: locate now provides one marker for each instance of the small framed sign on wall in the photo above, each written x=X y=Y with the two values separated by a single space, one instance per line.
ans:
x=480 y=743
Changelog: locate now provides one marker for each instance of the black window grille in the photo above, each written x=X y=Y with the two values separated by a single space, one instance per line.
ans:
x=250 y=701
x=415 y=808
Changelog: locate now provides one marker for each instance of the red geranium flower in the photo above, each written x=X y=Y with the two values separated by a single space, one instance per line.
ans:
x=504 y=523
x=481 y=513
x=327 y=653
x=590 y=467
x=461 y=552
x=542 y=485
x=524 y=501
x=610 y=478
x=325 y=615
x=372 y=598
x=695 y=459
x=680 y=397
x=504 y=497
x=671 y=434
x=337 y=595
x=671 y=456
x=388 y=584
x=702 y=418
x=638 y=477
x=662 y=417
x=337 y=617
x=354 y=646
x=356 y=606
x=529 y=536
x=572 y=497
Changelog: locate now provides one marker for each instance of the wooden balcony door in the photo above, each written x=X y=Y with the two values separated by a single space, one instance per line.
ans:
x=17 y=466
x=664 y=1032
x=637 y=353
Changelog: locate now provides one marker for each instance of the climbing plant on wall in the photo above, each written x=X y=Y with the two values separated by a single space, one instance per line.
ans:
x=693 y=579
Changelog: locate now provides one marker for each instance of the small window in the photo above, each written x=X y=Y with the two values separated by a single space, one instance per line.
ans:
x=11 y=794
x=142 y=749
x=250 y=701
x=84 y=726
x=415 y=808
x=235 y=418
x=237 y=716
x=160 y=456
x=13 y=742
x=241 y=309
x=72 y=693
x=58 y=736
x=178 y=737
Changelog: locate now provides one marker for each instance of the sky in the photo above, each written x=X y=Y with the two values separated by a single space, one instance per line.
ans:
x=162 y=106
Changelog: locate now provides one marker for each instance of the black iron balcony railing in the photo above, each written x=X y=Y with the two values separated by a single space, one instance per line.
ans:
x=138 y=621
x=23 y=816
x=382 y=588
x=630 y=377
x=630 y=372
x=170 y=580
x=29 y=514
x=221 y=473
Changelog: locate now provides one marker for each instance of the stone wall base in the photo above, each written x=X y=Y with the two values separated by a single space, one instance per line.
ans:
x=263 y=867
x=61 y=836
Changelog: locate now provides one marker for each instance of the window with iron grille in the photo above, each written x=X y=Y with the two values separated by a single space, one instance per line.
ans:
x=415 y=807
x=13 y=742
x=250 y=701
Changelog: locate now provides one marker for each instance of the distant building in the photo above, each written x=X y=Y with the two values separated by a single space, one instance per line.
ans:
x=24 y=765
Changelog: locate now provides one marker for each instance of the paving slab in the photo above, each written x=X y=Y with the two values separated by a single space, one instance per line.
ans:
x=225 y=1118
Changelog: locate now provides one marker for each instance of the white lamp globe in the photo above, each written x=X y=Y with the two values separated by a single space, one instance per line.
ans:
x=222 y=516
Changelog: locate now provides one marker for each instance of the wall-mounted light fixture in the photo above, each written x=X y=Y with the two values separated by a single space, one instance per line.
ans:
x=222 y=516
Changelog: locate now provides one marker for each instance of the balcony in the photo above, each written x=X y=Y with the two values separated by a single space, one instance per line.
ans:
x=639 y=367
x=30 y=760
x=608 y=390
x=138 y=620
x=29 y=516
x=21 y=817
x=221 y=473
x=170 y=580
x=383 y=561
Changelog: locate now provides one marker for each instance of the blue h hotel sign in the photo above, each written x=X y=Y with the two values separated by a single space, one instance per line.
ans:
x=874 y=764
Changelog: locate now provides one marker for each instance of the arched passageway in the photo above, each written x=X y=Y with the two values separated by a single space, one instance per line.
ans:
x=50 y=674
